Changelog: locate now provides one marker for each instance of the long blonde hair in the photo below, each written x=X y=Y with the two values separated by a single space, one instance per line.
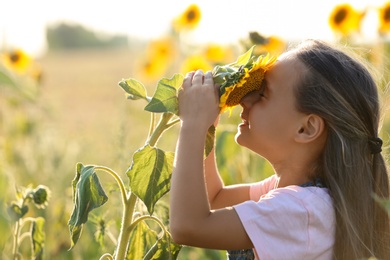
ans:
x=341 y=90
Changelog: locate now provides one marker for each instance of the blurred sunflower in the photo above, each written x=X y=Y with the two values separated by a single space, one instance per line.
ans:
x=152 y=68
x=195 y=62
x=384 y=18
x=163 y=49
x=20 y=62
x=189 y=19
x=216 y=53
x=241 y=77
x=17 y=60
x=344 y=19
x=272 y=45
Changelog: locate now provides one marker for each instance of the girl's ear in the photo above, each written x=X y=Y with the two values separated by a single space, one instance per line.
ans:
x=312 y=128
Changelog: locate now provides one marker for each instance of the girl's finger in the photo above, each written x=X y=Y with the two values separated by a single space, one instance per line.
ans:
x=208 y=78
x=188 y=79
x=198 y=78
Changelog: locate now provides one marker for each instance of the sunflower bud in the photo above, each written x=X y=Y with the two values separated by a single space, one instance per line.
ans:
x=41 y=196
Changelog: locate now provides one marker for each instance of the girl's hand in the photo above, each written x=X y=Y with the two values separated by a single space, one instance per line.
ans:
x=198 y=100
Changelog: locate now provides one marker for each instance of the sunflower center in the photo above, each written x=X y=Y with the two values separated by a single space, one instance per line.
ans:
x=386 y=15
x=253 y=83
x=191 y=15
x=163 y=51
x=14 y=57
x=340 y=16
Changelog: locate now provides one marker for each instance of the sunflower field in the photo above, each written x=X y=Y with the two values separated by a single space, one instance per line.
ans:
x=87 y=136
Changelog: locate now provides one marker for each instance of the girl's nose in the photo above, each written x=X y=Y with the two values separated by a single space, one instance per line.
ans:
x=249 y=99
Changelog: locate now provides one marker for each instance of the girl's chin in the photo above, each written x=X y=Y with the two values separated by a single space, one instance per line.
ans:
x=242 y=140
x=238 y=137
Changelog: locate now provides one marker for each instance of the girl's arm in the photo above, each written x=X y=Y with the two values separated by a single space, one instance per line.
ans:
x=192 y=221
x=221 y=196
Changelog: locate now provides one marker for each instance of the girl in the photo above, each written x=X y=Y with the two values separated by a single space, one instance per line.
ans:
x=315 y=120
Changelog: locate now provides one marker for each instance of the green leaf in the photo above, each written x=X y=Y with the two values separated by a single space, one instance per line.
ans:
x=257 y=38
x=38 y=237
x=164 y=248
x=165 y=97
x=221 y=73
x=244 y=58
x=150 y=174
x=134 y=89
x=16 y=212
x=88 y=194
x=75 y=233
x=141 y=240
x=210 y=140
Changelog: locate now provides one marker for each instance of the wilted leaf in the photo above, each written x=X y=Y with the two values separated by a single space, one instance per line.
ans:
x=165 y=97
x=164 y=248
x=150 y=174
x=16 y=212
x=88 y=195
x=134 y=89
x=38 y=237
x=141 y=240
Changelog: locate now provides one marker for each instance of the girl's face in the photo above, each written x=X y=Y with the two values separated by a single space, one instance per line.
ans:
x=270 y=120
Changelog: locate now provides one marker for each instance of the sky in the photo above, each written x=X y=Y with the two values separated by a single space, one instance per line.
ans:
x=23 y=22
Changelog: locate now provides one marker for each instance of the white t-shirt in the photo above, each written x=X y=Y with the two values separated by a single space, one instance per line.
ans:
x=292 y=222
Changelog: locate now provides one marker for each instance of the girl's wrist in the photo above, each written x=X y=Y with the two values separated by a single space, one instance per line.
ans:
x=196 y=125
x=194 y=129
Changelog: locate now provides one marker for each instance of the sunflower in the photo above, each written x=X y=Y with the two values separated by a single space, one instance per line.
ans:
x=163 y=48
x=152 y=68
x=345 y=19
x=273 y=45
x=217 y=53
x=241 y=77
x=17 y=60
x=384 y=18
x=195 y=62
x=189 y=19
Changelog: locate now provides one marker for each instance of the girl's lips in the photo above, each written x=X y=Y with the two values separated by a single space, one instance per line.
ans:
x=244 y=120
x=244 y=123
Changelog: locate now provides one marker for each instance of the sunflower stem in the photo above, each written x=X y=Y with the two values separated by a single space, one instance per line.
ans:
x=162 y=125
x=152 y=123
x=147 y=217
x=16 y=239
x=125 y=232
